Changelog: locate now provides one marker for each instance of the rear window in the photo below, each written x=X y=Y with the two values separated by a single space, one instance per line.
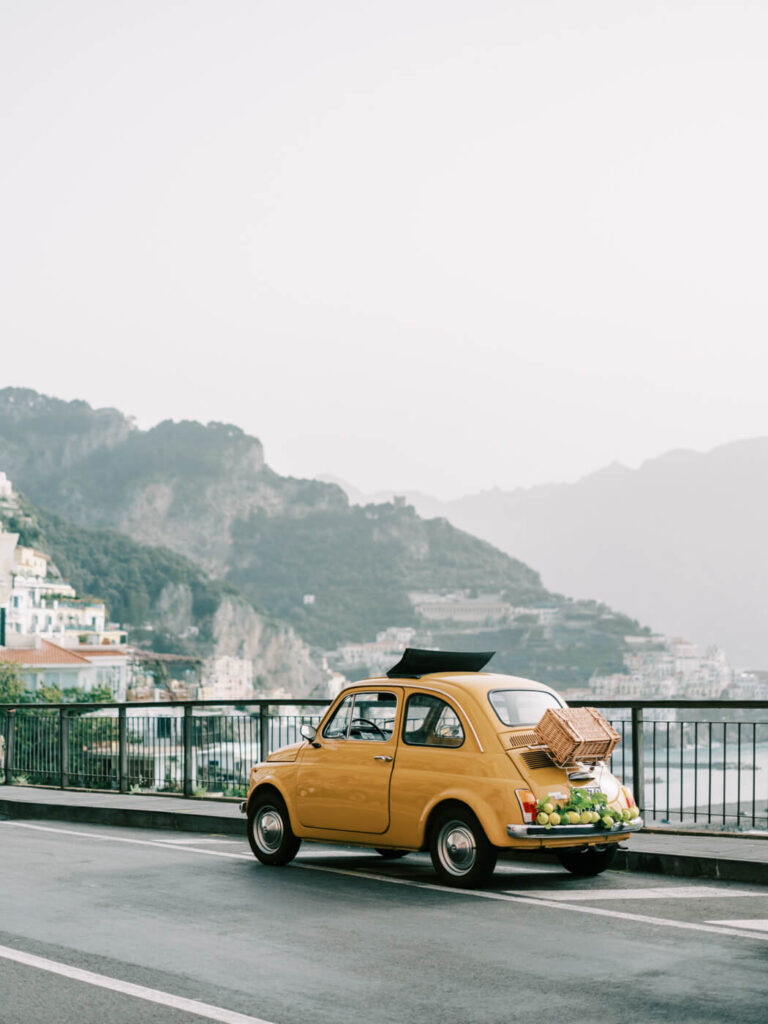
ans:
x=521 y=707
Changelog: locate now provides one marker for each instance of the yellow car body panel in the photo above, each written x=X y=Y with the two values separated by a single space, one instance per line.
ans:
x=382 y=793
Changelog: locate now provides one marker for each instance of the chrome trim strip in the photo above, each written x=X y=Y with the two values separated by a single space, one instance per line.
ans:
x=566 y=831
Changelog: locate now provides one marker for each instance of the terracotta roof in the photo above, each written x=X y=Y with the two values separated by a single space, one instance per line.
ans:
x=88 y=651
x=46 y=654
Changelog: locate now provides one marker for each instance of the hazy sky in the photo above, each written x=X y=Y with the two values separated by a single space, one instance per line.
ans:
x=427 y=244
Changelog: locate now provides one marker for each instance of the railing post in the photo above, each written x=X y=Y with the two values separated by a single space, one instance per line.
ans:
x=263 y=731
x=63 y=748
x=10 y=732
x=638 y=758
x=122 y=749
x=188 y=726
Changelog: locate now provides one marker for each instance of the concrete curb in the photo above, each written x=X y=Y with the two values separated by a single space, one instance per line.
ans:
x=651 y=861
x=687 y=866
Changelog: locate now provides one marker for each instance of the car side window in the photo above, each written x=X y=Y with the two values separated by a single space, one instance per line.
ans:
x=363 y=716
x=430 y=722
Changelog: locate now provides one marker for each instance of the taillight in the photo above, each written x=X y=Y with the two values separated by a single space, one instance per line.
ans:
x=527 y=802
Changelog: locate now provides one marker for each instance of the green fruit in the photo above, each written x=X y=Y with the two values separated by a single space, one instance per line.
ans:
x=542 y=818
x=608 y=821
x=554 y=818
x=625 y=814
x=586 y=817
x=634 y=811
x=595 y=817
x=574 y=817
x=548 y=807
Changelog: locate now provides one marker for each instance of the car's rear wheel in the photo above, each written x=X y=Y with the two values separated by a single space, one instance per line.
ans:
x=461 y=854
x=269 y=830
x=391 y=854
x=590 y=860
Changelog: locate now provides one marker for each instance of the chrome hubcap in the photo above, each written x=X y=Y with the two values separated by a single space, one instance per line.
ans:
x=456 y=847
x=268 y=829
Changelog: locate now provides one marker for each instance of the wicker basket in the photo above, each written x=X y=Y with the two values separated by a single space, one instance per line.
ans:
x=576 y=734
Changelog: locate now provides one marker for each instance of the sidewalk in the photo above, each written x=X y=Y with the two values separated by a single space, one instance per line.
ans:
x=731 y=858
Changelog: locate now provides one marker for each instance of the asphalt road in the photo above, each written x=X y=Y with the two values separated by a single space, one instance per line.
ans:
x=123 y=925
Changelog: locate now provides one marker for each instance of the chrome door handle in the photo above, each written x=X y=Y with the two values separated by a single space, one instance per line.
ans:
x=382 y=757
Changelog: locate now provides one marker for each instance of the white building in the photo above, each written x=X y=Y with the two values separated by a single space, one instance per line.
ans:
x=669 y=668
x=226 y=678
x=375 y=655
x=6 y=490
x=43 y=663
x=42 y=605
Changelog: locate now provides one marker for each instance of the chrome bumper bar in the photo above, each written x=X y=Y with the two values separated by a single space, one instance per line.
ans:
x=569 y=831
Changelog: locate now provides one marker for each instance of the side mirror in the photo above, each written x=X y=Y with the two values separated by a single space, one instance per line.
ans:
x=308 y=732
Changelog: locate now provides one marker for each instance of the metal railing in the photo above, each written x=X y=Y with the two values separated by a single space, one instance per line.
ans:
x=698 y=763
x=187 y=748
x=693 y=762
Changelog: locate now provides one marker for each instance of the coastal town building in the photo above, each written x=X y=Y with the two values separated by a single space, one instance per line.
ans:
x=373 y=656
x=659 y=667
x=86 y=667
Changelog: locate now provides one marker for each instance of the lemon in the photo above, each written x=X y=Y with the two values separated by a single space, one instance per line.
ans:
x=626 y=815
x=608 y=821
x=634 y=811
x=548 y=807
x=574 y=817
x=542 y=818
x=586 y=817
x=554 y=818
x=595 y=817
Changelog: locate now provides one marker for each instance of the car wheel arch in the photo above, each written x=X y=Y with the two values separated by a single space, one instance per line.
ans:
x=263 y=789
x=438 y=808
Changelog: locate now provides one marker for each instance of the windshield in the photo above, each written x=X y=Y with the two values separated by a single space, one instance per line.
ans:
x=522 y=707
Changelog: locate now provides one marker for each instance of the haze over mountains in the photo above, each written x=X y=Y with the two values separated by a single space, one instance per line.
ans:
x=680 y=543
x=205 y=492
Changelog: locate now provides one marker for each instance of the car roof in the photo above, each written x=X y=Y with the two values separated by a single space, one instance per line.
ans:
x=461 y=682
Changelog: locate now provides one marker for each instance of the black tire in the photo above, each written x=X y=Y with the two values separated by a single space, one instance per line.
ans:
x=590 y=860
x=269 y=830
x=391 y=854
x=461 y=854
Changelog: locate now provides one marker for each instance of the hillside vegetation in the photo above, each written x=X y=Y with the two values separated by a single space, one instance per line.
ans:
x=206 y=493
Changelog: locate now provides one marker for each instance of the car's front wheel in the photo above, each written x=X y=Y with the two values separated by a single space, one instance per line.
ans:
x=461 y=854
x=269 y=830
x=591 y=860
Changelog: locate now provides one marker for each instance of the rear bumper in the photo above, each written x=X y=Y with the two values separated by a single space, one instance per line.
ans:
x=539 y=832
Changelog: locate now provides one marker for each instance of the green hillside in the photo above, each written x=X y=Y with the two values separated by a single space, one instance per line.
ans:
x=127 y=576
x=216 y=516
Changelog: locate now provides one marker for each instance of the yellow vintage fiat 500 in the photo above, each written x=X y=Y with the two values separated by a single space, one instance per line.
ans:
x=437 y=756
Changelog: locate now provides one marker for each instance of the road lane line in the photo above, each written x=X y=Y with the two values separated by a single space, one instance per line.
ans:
x=127 y=988
x=553 y=904
x=673 y=892
x=759 y=924
x=169 y=845
x=505 y=897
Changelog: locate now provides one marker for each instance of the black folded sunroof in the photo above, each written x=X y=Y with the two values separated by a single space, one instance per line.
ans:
x=415 y=663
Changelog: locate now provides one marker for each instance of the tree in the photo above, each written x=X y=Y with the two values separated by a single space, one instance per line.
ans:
x=12 y=689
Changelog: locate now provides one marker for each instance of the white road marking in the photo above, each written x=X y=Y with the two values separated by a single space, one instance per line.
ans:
x=711 y=927
x=758 y=924
x=195 y=841
x=674 y=892
x=489 y=895
x=162 y=844
x=126 y=988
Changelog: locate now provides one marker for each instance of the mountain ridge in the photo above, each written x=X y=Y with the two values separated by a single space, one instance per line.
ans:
x=333 y=572
x=678 y=541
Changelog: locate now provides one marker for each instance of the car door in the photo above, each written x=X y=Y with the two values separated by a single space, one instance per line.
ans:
x=343 y=784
